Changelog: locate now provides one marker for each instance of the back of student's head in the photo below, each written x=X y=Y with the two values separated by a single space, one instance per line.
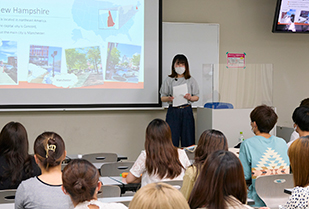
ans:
x=221 y=176
x=158 y=196
x=299 y=154
x=264 y=117
x=301 y=117
x=305 y=102
x=14 y=139
x=80 y=180
x=162 y=156
x=210 y=141
x=14 y=146
x=50 y=149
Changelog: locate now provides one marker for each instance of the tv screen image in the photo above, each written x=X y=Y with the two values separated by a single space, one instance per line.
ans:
x=291 y=16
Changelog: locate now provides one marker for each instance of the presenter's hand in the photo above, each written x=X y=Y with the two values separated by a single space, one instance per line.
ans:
x=170 y=99
x=188 y=97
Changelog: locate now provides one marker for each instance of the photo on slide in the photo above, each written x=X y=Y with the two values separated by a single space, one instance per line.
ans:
x=8 y=63
x=44 y=64
x=85 y=63
x=123 y=62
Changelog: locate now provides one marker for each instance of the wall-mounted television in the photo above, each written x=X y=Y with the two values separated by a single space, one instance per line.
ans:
x=291 y=16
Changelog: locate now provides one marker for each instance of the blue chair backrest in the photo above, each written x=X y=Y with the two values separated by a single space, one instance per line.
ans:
x=218 y=105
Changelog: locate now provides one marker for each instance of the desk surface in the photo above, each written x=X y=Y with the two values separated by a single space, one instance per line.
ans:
x=109 y=181
x=116 y=199
x=106 y=200
x=97 y=165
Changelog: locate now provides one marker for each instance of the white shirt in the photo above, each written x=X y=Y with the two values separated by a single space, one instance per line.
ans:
x=139 y=168
x=101 y=205
x=293 y=137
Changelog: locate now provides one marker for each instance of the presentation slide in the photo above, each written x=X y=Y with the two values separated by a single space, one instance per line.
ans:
x=79 y=52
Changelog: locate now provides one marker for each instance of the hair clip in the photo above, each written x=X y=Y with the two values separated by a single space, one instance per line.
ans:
x=51 y=147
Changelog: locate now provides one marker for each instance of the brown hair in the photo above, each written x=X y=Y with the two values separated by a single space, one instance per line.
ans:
x=299 y=155
x=80 y=179
x=14 y=148
x=50 y=149
x=221 y=176
x=161 y=155
x=180 y=59
x=158 y=196
x=304 y=102
x=210 y=141
x=264 y=117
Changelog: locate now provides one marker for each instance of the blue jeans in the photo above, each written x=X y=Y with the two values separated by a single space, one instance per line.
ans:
x=181 y=122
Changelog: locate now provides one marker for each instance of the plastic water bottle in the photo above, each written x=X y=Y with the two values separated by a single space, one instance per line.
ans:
x=241 y=137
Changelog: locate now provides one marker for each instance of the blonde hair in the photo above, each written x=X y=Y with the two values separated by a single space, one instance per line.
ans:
x=158 y=196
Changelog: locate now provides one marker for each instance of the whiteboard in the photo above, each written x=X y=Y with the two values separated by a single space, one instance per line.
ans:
x=198 y=41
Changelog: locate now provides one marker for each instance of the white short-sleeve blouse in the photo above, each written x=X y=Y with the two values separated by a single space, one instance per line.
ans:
x=139 y=168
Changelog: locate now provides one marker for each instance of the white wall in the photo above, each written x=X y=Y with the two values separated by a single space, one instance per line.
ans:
x=245 y=26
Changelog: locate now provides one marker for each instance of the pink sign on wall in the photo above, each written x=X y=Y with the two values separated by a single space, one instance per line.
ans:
x=236 y=60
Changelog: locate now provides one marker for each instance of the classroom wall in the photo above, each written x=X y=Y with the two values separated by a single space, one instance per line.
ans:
x=245 y=26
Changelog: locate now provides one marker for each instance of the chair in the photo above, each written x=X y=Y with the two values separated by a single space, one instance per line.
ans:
x=115 y=168
x=7 y=196
x=270 y=188
x=175 y=183
x=109 y=191
x=218 y=105
x=190 y=151
x=101 y=157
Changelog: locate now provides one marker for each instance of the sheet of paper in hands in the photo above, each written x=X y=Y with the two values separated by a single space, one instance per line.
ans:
x=178 y=93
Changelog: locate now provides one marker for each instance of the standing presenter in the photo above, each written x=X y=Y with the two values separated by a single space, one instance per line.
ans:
x=180 y=118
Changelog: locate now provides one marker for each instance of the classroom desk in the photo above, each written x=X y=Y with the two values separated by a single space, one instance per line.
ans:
x=105 y=200
x=109 y=181
x=125 y=186
x=116 y=199
x=97 y=165
x=121 y=182
x=7 y=206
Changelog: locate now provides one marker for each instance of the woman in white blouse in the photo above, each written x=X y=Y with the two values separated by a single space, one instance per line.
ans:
x=299 y=155
x=160 y=160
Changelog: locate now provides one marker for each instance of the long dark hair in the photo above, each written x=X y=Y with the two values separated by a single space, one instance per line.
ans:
x=50 y=149
x=161 y=155
x=80 y=179
x=14 y=147
x=210 y=141
x=180 y=59
x=221 y=176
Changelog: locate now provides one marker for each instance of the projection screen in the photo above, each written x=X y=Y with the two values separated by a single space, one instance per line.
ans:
x=80 y=53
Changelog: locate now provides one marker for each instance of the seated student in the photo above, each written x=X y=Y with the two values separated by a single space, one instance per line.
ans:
x=209 y=142
x=263 y=153
x=295 y=135
x=16 y=164
x=221 y=183
x=45 y=191
x=301 y=121
x=161 y=160
x=81 y=182
x=158 y=196
x=299 y=155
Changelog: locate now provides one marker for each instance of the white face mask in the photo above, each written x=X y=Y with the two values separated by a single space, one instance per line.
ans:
x=180 y=70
